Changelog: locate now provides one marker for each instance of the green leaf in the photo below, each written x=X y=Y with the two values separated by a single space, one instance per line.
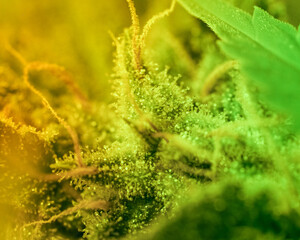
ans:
x=267 y=49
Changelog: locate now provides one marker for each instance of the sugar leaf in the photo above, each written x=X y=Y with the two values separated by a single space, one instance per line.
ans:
x=267 y=49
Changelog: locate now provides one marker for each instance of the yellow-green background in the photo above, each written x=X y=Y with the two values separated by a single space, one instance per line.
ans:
x=74 y=34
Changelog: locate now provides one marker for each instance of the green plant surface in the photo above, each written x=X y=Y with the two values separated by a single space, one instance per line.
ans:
x=229 y=210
